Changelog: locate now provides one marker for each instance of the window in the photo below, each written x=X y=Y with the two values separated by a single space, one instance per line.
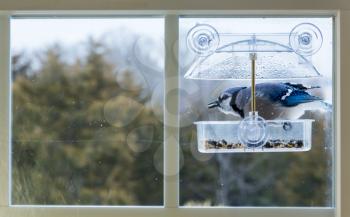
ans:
x=254 y=179
x=159 y=140
x=86 y=126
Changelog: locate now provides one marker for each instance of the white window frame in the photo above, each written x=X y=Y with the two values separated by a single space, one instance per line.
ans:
x=172 y=10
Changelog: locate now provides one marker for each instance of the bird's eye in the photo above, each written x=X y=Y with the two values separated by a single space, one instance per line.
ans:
x=224 y=97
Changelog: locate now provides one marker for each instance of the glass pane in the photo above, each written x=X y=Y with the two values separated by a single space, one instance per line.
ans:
x=293 y=165
x=86 y=127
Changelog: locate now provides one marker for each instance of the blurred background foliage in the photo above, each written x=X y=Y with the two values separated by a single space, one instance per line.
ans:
x=65 y=150
x=80 y=137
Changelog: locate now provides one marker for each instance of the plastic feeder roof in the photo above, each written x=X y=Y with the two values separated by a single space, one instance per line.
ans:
x=231 y=61
x=279 y=55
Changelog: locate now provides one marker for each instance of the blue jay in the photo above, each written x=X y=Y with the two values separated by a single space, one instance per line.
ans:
x=273 y=100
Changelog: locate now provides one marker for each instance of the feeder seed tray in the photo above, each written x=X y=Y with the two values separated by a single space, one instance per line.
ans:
x=282 y=136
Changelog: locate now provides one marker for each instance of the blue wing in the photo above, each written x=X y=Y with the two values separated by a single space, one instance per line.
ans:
x=286 y=93
x=297 y=97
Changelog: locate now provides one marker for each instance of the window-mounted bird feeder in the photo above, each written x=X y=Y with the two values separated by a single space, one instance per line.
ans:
x=253 y=56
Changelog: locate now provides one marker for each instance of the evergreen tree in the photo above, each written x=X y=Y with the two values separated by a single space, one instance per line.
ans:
x=67 y=149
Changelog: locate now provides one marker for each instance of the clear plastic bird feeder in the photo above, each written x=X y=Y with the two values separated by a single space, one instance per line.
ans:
x=223 y=56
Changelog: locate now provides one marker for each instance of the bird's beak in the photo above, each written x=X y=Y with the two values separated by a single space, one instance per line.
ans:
x=213 y=104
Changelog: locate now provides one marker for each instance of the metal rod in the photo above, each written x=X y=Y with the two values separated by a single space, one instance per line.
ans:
x=253 y=100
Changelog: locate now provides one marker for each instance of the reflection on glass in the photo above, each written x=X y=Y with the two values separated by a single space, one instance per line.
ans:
x=84 y=130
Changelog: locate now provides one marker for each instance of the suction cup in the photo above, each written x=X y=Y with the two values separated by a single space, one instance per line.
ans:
x=252 y=131
x=203 y=39
x=305 y=39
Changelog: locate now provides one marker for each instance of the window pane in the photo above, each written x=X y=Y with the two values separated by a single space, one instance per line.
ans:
x=255 y=177
x=86 y=128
